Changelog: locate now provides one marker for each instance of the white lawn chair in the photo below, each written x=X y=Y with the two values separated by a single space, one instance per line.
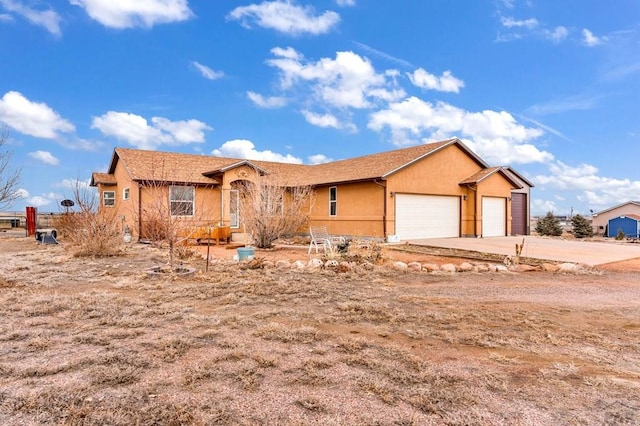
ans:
x=321 y=238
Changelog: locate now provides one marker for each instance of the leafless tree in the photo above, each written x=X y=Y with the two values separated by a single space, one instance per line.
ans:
x=89 y=230
x=170 y=213
x=9 y=177
x=271 y=209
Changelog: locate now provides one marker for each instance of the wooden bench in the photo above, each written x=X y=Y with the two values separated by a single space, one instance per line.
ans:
x=217 y=233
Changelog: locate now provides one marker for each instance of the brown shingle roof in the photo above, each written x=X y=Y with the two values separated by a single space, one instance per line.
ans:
x=103 y=178
x=478 y=177
x=201 y=169
x=145 y=165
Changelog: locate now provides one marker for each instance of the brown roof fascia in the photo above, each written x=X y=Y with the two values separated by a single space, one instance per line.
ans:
x=519 y=176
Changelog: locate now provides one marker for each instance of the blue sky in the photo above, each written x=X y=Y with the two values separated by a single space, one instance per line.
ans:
x=551 y=88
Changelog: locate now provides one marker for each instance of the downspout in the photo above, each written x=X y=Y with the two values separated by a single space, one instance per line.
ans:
x=384 y=208
x=139 y=211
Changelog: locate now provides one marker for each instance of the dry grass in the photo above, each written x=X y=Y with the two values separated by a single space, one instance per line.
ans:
x=93 y=341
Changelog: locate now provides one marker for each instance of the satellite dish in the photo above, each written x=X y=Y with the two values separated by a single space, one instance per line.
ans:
x=67 y=203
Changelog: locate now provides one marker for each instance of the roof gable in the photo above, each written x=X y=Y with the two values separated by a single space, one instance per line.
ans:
x=635 y=203
x=483 y=174
x=103 y=179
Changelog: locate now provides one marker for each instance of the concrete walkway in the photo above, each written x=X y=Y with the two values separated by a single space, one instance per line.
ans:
x=575 y=251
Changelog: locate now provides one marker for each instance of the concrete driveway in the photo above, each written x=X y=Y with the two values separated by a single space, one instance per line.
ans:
x=575 y=251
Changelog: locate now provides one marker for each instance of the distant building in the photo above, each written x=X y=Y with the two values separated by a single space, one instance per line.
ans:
x=602 y=218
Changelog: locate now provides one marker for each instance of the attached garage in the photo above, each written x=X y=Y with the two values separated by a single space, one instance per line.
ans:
x=427 y=216
x=629 y=224
x=494 y=217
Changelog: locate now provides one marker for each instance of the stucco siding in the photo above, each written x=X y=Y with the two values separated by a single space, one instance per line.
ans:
x=359 y=209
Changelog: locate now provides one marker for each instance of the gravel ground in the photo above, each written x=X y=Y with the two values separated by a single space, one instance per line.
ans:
x=96 y=341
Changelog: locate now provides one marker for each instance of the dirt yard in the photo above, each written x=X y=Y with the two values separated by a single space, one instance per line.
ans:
x=88 y=341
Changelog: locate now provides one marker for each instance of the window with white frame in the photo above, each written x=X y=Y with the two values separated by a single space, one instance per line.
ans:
x=181 y=200
x=109 y=198
x=126 y=194
x=333 y=201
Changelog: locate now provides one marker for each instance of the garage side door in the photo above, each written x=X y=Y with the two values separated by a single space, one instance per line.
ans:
x=427 y=216
x=518 y=213
x=494 y=217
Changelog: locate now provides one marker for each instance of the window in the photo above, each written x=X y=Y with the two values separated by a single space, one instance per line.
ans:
x=234 y=208
x=181 y=199
x=109 y=198
x=126 y=194
x=333 y=201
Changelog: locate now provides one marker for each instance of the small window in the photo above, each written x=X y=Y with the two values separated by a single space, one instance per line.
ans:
x=333 y=201
x=109 y=198
x=181 y=199
x=126 y=194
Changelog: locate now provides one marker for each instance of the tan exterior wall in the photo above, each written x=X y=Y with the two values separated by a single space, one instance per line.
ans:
x=359 y=210
x=206 y=205
x=363 y=209
x=601 y=220
x=438 y=174
x=361 y=206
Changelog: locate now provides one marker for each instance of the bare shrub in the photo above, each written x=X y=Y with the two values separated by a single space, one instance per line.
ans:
x=272 y=209
x=9 y=179
x=89 y=230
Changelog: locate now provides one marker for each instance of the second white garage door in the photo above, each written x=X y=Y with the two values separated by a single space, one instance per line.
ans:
x=494 y=217
x=427 y=216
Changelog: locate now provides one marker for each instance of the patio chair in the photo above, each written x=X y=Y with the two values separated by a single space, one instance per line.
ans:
x=321 y=238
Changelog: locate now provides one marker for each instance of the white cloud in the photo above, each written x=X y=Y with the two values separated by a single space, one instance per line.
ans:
x=319 y=159
x=285 y=17
x=345 y=3
x=242 y=148
x=327 y=120
x=541 y=207
x=207 y=72
x=32 y=118
x=590 y=39
x=445 y=83
x=596 y=191
x=513 y=23
x=507 y=3
x=137 y=131
x=22 y=193
x=269 y=102
x=48 y=19
x=42 y=200
x=496 y=136
x=557 y=106
x=348 y=81
x=5 y=17
x=380 y=54
x=84 y=185
x=44 y=156
x=557 y=35
x=140 y=13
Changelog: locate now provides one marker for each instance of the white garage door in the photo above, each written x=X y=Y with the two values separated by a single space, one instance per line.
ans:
x=494 y=217
x=427 y=216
